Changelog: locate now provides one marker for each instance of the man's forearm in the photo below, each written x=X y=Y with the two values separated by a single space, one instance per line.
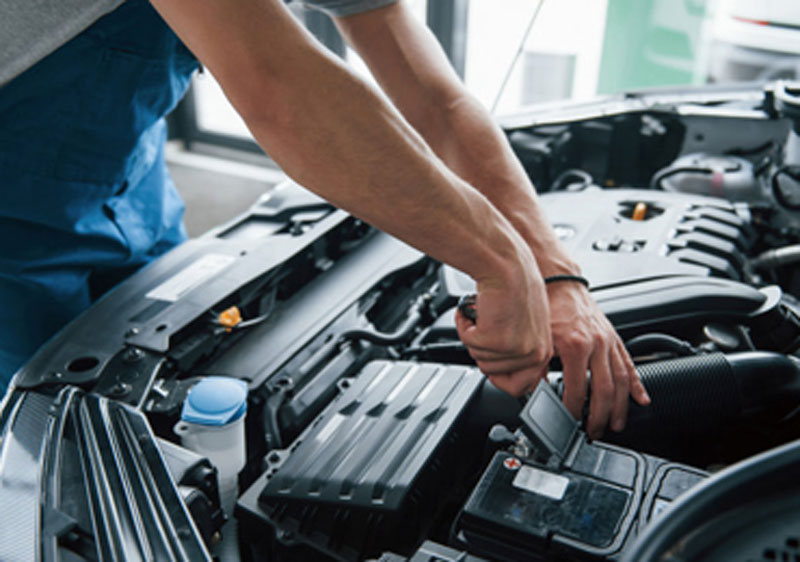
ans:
x=412 y=69
x=363 y=160
x=475 y=148
x=334 y=134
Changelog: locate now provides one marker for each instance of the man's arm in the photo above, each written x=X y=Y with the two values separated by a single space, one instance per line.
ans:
x=334 y=135
x=410 y=66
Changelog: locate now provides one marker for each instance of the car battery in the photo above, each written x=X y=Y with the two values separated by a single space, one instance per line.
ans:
x=555 y=495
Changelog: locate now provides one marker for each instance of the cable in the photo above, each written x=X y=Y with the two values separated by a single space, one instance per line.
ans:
x=647 y=344
x=439 y=351
x=655 y=183
x=400 y=335
x=750 y=151
x=585 y=180
x=405 y=331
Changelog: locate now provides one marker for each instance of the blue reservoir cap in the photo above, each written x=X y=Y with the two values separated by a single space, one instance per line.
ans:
x=215 y=401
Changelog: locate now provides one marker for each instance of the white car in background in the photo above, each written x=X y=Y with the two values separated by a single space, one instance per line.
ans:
x=755 y=40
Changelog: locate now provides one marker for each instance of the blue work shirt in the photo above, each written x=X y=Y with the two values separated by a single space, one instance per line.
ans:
x=86 y=198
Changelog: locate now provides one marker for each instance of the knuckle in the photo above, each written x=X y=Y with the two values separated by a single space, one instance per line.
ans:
x=541 y=355
x=599 y=340
x=573 y=342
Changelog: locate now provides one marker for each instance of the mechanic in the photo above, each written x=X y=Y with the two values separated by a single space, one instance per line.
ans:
x=87 y=199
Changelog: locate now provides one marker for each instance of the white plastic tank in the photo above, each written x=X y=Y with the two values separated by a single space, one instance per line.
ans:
x=212 y=425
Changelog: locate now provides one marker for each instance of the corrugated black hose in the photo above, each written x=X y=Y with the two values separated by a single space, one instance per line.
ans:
x=699 y=395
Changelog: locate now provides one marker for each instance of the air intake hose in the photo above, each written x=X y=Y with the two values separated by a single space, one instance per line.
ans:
x=702 y=394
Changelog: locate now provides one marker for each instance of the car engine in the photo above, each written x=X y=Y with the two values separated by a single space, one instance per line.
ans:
x=370 y=434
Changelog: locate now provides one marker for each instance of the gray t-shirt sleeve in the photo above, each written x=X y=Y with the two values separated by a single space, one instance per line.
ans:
x=32 y=29
x=336 y=8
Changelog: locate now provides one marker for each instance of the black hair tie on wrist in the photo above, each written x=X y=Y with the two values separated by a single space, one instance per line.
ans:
x=577 y=278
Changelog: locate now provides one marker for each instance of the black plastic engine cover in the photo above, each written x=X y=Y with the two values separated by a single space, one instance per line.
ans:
x=373 y=470
x=679 y=235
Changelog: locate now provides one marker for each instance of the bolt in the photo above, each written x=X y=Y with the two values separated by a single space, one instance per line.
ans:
x=132 y=332
x=120 y=389
x=133 y=355
x=160 y=390
x=56 y=375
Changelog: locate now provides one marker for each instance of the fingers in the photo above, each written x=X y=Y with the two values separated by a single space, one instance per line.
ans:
x=638 y=392
x=587 y=342
x=505 y=366
x=613 y=382
x=465 y=328
x=575 y=368
x=472 y=338
x=494 y=363
x=610 y=384
x=602 y=395
x=509 y=338
x=518 y=383
x=622 y=376
x=506 y=337
x=494 y=348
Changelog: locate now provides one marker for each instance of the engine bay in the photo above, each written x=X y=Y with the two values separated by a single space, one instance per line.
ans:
x=369 y=432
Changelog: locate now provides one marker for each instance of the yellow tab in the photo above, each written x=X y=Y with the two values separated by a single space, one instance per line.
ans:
x=640 y=211
x=230 y=318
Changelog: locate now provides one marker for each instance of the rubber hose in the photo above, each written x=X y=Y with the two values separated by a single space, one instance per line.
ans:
x=700 y=395
x=661 y=175
x=773 y=259
x=654 y=343
x=401 y=335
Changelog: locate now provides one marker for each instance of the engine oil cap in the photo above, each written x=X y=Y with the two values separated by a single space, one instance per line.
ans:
x=215 y=401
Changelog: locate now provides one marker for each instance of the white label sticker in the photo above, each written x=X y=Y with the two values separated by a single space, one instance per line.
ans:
x=541 y=482
x=190 y=277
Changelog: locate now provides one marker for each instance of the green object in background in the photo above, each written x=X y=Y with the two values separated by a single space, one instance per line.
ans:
x=650 y=43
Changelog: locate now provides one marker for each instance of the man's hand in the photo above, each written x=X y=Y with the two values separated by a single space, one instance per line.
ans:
x=585 y=340
x=510 y=339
